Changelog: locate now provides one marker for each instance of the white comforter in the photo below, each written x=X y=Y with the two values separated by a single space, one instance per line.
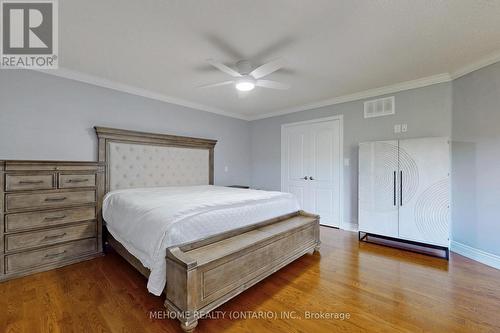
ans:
x=149 y=220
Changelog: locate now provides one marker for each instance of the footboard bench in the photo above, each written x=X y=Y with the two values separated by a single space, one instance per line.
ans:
x=203 y=275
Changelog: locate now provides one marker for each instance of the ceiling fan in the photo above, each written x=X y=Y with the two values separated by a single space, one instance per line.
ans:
x=245 y=78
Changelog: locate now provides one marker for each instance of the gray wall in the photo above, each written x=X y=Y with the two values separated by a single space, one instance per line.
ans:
x=476 y=159
x=46 y=117
x=427 y=111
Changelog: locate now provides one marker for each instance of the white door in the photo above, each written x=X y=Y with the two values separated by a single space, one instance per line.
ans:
x=324 y=173
x=311 y=167
x=378 y=188
x=424 y=207
x=295 y=169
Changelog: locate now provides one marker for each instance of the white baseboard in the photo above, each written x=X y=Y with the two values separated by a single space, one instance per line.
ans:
x=352 y=226
x=476 y=254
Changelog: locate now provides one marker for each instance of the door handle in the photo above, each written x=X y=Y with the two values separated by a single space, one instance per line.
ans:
x=305 y=178
x=394 y=188
x=401 y=188
x=311 y=178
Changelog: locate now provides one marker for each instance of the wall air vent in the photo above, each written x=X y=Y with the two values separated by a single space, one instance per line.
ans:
x=380 y=107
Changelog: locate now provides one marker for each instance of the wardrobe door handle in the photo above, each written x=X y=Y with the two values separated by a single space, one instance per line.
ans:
x=305 y=177
x=401 y=188
x=311 y=178
x=394 y=188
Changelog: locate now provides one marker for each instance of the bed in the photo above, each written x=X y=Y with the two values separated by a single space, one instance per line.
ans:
x=197 y=243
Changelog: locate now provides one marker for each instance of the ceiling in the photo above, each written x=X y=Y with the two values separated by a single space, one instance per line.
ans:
x=332 y=47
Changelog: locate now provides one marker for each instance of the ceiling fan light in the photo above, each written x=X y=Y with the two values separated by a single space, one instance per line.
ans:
x=245 y=85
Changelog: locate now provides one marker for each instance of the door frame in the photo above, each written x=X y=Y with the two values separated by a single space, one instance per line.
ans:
x=340 y=118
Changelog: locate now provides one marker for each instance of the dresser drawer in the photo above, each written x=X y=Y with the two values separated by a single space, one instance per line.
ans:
x=76 y=180
x=35 y=200
x=31 y=259
x=29 y=182
x=27 y=240
x=24 y=221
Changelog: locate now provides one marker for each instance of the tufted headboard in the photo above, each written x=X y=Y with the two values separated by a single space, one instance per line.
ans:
x=138 y=159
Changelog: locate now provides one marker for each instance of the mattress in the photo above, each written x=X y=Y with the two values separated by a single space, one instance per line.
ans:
x=147 y=221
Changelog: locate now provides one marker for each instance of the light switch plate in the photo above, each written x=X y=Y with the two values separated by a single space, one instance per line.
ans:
x=404 y=128
x=397 y=128
x=346 y=162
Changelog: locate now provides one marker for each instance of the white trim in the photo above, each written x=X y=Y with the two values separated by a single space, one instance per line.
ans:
x=350 y=226
x=340 y=118
x=476 y=254
x=385 y=90
x=419 y=83
x=486 y=61
x=315 y=120
x=341 y=168
x=105 y=83
x=390 y=89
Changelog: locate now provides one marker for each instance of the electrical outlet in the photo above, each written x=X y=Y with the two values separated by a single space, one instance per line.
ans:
x=404 y=128
x=397 y=128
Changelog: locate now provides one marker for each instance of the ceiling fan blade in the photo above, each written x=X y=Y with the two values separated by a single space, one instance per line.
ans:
x=218 y=84
x=272 y=84
x=268 y=68
x=224 y=68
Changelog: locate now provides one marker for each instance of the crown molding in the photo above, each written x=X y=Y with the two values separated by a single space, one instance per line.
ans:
x=486 y=61
x=391 y=89
x=105 y=83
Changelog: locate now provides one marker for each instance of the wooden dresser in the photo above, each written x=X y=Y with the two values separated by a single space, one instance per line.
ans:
x=50 y=215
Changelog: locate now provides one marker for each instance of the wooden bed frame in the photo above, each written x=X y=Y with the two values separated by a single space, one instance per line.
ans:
x=204 y=274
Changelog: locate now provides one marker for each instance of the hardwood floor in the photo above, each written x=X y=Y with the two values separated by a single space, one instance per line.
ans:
x=382 y=289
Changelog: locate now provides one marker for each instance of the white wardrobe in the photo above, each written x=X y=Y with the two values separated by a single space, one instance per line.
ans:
x=404 y=189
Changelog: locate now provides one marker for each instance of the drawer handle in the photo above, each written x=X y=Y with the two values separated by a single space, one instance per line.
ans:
x=54 y=218
x=55 y=199
x=54 y=255
x=54 y=236
x=30 y=182
x=77 y=180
